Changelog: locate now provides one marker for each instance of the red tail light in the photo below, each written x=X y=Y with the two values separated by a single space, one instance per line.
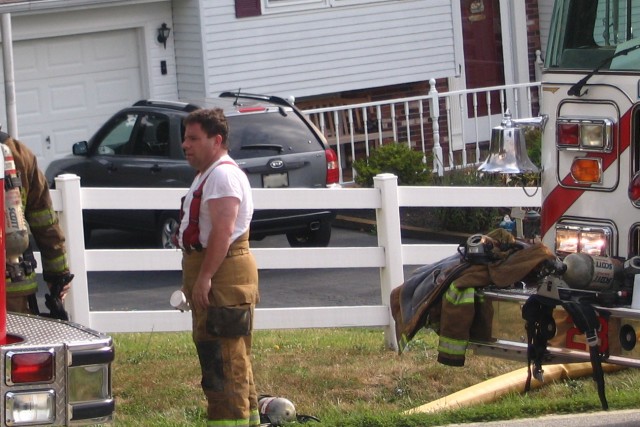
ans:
x=31 y=367
x=568 y=135
x=333 y=173
x=634 y=189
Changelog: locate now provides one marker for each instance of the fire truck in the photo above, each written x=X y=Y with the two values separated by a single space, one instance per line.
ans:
x=590 y=184
x=55 y=372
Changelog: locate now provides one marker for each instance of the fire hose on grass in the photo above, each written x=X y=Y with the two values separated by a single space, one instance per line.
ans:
x=515 y=381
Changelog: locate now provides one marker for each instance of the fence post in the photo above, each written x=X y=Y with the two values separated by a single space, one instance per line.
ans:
x=389 y=237
x=438 y=161
x=77 y=301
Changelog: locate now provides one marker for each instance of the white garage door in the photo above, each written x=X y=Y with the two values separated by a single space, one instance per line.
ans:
x=66 y=87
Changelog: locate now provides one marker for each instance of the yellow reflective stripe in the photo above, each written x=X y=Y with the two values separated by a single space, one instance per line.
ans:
x=28 y=284
x=55 y=265
x=254 y=418
x=229 y=423
x=452 y=346
x=460 y=296
x=41 y=218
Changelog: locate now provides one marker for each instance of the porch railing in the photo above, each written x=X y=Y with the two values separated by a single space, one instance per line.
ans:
x=450 y=128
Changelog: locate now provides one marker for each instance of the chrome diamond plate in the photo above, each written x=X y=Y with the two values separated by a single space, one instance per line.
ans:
x=38 y=333
x=42 y=331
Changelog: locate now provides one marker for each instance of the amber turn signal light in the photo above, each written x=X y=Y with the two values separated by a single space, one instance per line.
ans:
x=586 y=170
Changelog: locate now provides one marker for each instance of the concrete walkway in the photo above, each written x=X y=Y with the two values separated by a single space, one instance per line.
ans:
x=625 y=418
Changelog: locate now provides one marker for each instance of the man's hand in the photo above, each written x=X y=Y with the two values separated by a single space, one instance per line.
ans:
x=200 y=293
x=63 y=292
x=58 y=288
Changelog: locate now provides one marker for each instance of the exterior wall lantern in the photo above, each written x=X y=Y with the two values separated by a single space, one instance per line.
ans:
x=163 y=34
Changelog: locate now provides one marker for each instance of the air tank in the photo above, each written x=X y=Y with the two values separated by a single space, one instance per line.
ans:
x=16 y=230
x=589 y=272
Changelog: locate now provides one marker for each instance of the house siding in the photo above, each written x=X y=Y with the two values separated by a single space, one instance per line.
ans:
x=318 y=51
x=188 y=49
x=545 y=8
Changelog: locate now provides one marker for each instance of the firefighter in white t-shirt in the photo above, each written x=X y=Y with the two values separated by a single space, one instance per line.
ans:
x=220 y=276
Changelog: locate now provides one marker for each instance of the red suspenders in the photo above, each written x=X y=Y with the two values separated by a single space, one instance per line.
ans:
x=191 y=235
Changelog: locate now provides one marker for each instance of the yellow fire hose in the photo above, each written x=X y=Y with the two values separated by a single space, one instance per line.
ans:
x=514 y=381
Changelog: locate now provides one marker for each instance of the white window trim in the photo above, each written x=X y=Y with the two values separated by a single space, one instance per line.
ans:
x=280 y=6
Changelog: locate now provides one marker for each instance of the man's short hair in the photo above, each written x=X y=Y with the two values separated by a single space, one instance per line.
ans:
x=212 y=120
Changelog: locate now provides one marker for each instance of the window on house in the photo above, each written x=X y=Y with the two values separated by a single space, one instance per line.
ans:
x=278 y=6
x=275 y=6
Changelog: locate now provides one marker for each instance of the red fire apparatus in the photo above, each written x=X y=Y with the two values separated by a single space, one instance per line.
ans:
x=55 y=372
x=590 y=216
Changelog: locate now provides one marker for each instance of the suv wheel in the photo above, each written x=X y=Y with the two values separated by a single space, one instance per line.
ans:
x=167 y=222
x=311 y=238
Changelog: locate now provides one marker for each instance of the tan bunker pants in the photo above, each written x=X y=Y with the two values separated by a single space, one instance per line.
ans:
x=222 y=335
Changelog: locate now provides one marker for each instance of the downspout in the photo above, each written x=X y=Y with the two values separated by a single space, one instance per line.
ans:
x=9 y=77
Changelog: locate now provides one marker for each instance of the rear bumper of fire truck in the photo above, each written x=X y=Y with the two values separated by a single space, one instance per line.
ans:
x=56 y=373
x=509 y=337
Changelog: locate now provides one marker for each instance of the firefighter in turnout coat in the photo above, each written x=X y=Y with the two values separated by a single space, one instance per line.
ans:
x=44 y=227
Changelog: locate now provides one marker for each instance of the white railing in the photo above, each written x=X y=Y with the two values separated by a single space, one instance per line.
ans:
x=389 y=256
x=451 y=126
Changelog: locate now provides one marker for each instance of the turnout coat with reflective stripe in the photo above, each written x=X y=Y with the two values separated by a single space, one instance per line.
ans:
x=39 y=213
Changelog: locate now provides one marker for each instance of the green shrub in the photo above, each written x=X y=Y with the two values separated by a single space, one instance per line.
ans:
x=408 y=166
x=463 y=219
x=533 y=138
x=469 y=176
x=395 y=158
x=469 y=220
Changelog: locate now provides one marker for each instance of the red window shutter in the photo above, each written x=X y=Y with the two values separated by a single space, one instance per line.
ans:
x=245 y=8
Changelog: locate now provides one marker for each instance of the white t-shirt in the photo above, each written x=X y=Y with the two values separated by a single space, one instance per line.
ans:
x=223 y=180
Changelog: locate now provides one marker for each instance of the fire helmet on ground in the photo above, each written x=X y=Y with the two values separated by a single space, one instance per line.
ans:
x=277 y=409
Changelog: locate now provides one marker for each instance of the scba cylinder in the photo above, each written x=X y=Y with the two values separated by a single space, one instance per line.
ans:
x=17 y=233
x=591 y=272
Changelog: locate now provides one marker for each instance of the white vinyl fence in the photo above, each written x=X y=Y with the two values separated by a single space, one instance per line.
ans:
x=389 y=255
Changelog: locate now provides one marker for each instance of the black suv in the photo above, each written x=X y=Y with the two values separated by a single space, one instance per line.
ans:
x=270 y=139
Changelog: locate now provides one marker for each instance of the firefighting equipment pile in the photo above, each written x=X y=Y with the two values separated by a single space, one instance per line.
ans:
x=447 y=296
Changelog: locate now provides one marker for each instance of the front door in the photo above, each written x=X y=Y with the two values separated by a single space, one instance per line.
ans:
x=483 y=58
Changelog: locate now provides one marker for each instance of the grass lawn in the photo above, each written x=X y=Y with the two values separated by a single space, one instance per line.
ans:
x=344 y=377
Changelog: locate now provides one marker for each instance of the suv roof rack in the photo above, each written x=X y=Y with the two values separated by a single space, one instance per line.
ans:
x=173 y=105
x=270 y=98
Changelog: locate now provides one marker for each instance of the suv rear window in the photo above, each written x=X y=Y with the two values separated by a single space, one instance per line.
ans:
x=267 y=134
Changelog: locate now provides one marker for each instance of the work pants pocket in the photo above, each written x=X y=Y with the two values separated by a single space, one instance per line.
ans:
x=227 y=321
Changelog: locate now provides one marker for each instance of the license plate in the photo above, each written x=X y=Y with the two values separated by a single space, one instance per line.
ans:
x=275 y=180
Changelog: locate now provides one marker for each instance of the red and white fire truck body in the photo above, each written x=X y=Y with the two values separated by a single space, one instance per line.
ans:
x=589 y=157
x=590 y=181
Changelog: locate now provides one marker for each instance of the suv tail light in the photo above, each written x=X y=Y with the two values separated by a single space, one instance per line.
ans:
x=333 y=173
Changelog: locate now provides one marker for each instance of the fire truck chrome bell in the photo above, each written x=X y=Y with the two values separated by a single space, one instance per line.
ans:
x=507 y=149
